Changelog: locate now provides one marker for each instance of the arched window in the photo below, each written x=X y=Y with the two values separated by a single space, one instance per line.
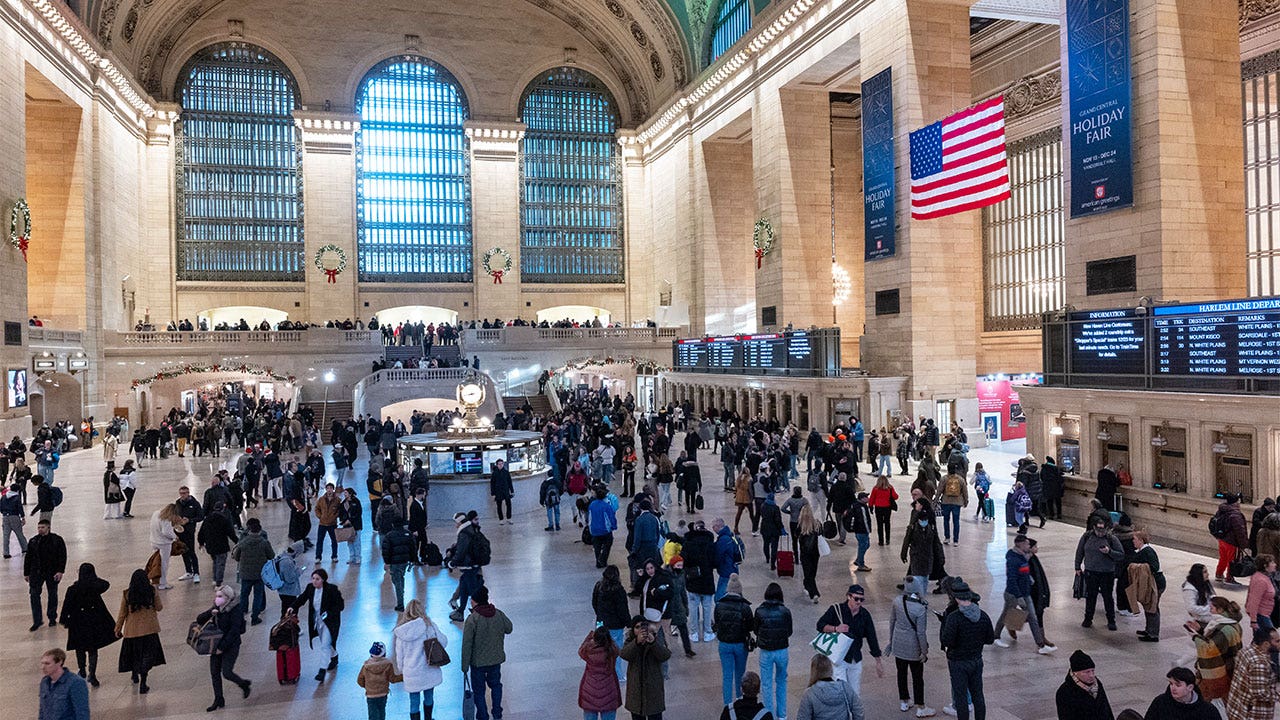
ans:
x=413 y=179
x=571 y=189
x=733 y=20
x=239 y=168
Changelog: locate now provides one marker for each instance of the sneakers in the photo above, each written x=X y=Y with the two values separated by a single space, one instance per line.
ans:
x=948 y=710
x=694 y=637
x=925 y=711
x=1047 y=649
x=905 y=706
x=708 y=637
x=1127 y=613
x=195 y=578
x=184 y=576
x=1001 y=642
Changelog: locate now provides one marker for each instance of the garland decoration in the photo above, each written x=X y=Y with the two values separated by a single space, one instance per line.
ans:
x=174 y=372
x=762 y=239
x=332 y=260
x=20 y=226
x=497 y=273
x=644 y=366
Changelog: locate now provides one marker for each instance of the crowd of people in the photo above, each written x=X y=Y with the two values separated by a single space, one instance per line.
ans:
x=680 y=575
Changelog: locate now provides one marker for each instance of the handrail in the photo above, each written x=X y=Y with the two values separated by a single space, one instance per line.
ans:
x=527 y=335
x=35 y=334
x=233 y=337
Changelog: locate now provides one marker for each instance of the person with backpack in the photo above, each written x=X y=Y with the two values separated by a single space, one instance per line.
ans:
x=398 y=550
x=283 y=575
x=549 y=498
x=471 y=553
x=1228 y=527
x=982 y=487
x=48 y=497
x=602 y=520
x=953 y=496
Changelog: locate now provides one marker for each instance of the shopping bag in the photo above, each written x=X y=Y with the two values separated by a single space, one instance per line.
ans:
x=833 y=645
x=824 y=547
x=1077 y=588
x=1014 y=618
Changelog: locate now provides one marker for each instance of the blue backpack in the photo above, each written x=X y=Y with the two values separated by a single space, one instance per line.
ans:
x=271 y=574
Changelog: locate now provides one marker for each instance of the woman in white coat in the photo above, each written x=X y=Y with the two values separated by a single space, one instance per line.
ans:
x=163 y=535
x=420 y=677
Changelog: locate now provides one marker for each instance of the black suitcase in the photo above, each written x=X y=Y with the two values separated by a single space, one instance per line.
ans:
x=1010 y=511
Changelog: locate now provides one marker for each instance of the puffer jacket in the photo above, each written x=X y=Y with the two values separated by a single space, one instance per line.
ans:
x=699 y=552
x=830 y=700
x=733 y=619
x=1269 y=536
x=398 y=547
x=773 y=625
x=908 y=623
x=599 y=690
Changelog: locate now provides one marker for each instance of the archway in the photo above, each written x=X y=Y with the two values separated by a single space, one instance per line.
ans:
x=425 y=314
x=582 y=314
x=233 y=314
x=55 y=396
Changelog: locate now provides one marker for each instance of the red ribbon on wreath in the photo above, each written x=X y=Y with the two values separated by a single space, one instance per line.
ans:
x=759 y=257
x=332 y=275
x=23 y=242
x=497 y=276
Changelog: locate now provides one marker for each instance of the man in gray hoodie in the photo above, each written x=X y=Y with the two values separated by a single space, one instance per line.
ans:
x=1096 y=556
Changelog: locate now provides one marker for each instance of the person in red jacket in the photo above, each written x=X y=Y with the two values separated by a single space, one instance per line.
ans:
x=599 y=694
x=882 y=500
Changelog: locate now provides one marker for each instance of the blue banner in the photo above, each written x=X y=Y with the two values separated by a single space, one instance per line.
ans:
x=1099 y=116
x=877 y=166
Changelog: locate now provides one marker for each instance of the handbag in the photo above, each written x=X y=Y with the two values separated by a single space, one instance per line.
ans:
x=1014 y=618
x=437 y=656
x=178 y=548
x=829 y=528
x=835 y=646
x=1077 y=588
x=1242 y=565
x=204 y=638
x=697 y=501
x=824 y=547
x=343 y=534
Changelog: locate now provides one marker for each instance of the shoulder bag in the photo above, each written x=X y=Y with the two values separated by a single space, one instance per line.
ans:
x=437 y=656
x=833 y=645
x=204 y=638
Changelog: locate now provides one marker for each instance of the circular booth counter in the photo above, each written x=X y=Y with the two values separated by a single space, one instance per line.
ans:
x=460 y=468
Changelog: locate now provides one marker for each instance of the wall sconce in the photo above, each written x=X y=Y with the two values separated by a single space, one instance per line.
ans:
x=1057 y=430
x=1105 y=433
x=1158 y=440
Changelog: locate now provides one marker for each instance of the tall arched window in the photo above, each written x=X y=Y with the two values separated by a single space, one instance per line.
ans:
x=571 y=189
x=239 y=168
x=733 y=20
x=413 y=180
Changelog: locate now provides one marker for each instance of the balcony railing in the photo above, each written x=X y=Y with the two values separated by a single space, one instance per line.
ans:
x=524 y=336
x=51 y=336
x=320 y=337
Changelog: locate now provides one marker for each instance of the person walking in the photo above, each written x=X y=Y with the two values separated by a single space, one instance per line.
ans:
x=128 y=478
x=549 y=498
x=42 y=567
x=964 y=634
x=138 y=622
x=398 y=550
x=609 y=601
x=733 y=624
x=352 y=518
x=699 y=553
x=810 y=533
x=484 y=651
x=251 y=553
x=328 y=511
x=728 y=555
x=645 y=655
x=792 y=508
x=470 y=555
x=1018 y=596
x=599 y=694
x=828 y=697
x=1229 y=528
x=376 y=676
x=743 y=501
x=954 y=494
x=770 y=529
x=63 y=695
x=1081 y=695
x=859 y=523
x=852 y=619
x=89 y=624
x=909 y=643
x=883 y=500
x=324 y=603
x=408 y=650
x=773 y=629
x=1254 y=691
x=1096 y=556
x=602 y=520
x=1147 y=584
x=290 y=572
x=217 y=535
x=12 y=518
x=1217 y=644
x=222 y=661
x=922 y=551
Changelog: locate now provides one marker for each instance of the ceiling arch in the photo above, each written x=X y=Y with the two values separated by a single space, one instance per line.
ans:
x=643 y=42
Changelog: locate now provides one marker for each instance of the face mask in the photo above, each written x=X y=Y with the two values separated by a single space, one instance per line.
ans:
x=924 y=523
x=219 y=600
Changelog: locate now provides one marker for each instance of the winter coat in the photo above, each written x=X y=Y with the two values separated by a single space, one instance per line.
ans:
x=773 y=625
x=1216 y=648
x=1051 y=480
x=88 y=621
x=770 y=520
x=216 y=534
x=733 y=619
x=882 y=497
x=410 y=657
x=922 y=550
x=252 y=552
x=611 y=606
x=1269 y=536
x=1164 y=707
x=830 y=700
x=679 y=607
x=1198 y=611
x=398 y=547
x=1089 y=554
x=500 y=485
x=139 y=622
x=1075 y=703
x=965 y=632
x=1237 y=532
x=954 y=491
x=646 y=693
x=908 y=624
x=230 y=621
x=598 y=691
x=331 y=606
x=699 y=552
x=484 y=637
x=1029 y=476
x=656 y=593
x=728 y=553
x=742 y=490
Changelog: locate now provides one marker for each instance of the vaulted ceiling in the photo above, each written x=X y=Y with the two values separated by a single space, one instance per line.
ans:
x=645 y=43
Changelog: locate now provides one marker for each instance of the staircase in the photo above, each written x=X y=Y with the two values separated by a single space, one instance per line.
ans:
x=540 y=404
x=402 y=353
x=450 y=355
x=340 y=409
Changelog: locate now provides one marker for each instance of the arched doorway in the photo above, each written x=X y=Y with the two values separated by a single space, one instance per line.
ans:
x=581 y=314
x=233 y=314
x=425 y=314
x=55 y=396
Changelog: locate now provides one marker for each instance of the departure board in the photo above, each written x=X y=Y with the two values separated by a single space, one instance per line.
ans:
x=799 y=350
x=691 y=354
x=1108 y=342
x=764 y=351
x=723 y=353
x=814 y=352
x=1226 y=339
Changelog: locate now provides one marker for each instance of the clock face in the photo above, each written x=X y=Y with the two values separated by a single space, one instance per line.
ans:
x=471 y=394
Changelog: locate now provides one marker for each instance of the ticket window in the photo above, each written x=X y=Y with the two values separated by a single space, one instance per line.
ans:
x=1066 y=445
x=1169 y=459
x=1233 y=465
x=1113 y=449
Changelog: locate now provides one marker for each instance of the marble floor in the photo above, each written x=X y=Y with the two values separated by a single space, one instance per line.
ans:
x=543 y=582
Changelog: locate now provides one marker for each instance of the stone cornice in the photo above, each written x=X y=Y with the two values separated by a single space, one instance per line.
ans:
x=1254 y=10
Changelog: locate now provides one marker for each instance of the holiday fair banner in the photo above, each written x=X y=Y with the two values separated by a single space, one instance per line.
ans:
x=1098 y=116
x=877 y=166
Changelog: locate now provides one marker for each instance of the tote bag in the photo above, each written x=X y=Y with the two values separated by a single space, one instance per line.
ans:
x=833 y=645
x=824 y=547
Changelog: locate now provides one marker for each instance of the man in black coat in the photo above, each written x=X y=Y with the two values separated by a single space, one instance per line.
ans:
x=217 y=536
x=699 y=553
x=418 y=525
x=42 y=568
x=397 y=552
x=190 y=509
x=1081 y=695
x=1108 y=483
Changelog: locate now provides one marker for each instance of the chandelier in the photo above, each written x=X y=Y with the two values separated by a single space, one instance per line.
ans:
x=841 y=284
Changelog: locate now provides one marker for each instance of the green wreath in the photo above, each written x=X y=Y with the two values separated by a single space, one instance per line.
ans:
x=20 y=226
x=497 y=273
x=762 y=238
x=331 y=272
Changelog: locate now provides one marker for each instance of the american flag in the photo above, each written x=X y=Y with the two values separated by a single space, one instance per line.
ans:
x=959 y=163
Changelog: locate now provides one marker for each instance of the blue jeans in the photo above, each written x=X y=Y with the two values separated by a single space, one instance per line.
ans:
x=333 y=540
x=886 y=465
x=377 y=707
x=966 y=686
x=620 y=665
x=728 y=474
x=773 y=663
x=397 y=570
x=864 y=542
x=704 y=606
x=428 y=698
x=606 y=473
x=259 y=590
x=951 y=518
x=46 y=472
x=468 y=583
x=553 y=516
x=722 y=587
x=733 y=663
x=589 y=715
x=490 y=675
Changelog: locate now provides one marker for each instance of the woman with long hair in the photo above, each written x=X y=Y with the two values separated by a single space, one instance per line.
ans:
x=165 y=524
x=742 y=498
x=810 y=531
x=827 y=697
x=599 y=694
x=226 y=614
x=882 y=501
x=89 y=624
x=609 y=600
x=139 y=624
x=1197 y=591
x=410 y=657
x=324 y=604
x=128 y=485
x=1217 y=644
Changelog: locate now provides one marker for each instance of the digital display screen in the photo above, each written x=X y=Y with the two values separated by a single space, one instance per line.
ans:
x=493 y=456
x=1231 y=339
x=468 y=463
x=1108 y=342
x=724 y=353
x=440 y=463
x=17 y=393
x=798 y=352
x=691 y=354
x=764 y=351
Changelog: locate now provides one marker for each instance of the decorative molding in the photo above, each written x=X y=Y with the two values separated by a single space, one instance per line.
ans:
x=1037 y=11
x=494 y=140
x=1254 y=10
x=1029 y=94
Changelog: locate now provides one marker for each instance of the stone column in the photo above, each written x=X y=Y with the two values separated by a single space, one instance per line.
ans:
x=329 y=202
x=926 y=42
x=495 y=214
x=157 y=295
x=1185 y=225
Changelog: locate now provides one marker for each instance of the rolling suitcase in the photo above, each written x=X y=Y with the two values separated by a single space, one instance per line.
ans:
x=288 y=665
x=786 y=561
x=989 y=509
x=1010 y=511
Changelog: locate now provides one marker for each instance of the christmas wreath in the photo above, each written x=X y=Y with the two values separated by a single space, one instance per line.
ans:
x=762 y=239
x=20 y=226
x=497 y=273
x=332 y=260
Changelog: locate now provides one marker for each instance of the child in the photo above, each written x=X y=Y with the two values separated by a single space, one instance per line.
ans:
x=376 y=676
x=982 y=483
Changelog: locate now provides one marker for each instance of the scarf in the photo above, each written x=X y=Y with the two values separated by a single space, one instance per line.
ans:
x=1091 y=689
